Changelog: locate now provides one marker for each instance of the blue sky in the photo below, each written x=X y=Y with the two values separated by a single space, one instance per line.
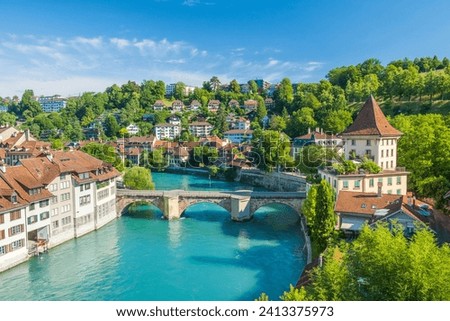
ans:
x=68 y=47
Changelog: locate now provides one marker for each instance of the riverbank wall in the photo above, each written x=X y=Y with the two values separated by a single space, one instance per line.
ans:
x=277 y=182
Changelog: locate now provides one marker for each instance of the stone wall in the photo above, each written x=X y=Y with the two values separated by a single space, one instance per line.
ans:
x=280 y=182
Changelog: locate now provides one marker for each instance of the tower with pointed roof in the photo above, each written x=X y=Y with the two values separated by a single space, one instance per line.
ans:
x=372 y=136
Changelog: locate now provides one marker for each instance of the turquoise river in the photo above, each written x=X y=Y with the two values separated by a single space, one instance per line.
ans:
x=203 y=256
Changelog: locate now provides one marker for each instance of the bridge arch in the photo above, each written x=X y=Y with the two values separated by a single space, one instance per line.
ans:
x=185 y=203
x=123 y=203
x=294 y=204
x=217 y=207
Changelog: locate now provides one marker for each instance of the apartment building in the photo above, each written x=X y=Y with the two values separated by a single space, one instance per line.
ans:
x=51 y=104
x=200 y=129
x=50 y=199
x=167 y=131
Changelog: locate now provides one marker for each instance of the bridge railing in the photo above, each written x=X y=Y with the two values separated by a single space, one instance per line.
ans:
x=159 y=193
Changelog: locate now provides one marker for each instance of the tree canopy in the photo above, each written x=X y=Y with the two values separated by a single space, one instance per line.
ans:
x=138 y=178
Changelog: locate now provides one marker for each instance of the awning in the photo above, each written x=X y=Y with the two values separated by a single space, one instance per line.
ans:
x=352 y=223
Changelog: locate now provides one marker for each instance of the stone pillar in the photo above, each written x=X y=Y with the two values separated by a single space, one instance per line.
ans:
x=240 y=208
x=171 y=206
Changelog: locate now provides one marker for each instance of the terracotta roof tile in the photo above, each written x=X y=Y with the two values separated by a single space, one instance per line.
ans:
x=366 y=203
x=371 y=121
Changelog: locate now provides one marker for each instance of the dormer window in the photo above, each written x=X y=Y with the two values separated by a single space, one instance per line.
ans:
x=84 y=175
x=363 y=205
x=14 y=198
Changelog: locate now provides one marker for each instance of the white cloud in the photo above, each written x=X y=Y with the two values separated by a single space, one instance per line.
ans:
x=93 y=42
x=68 y=66
x=120 y=43
x=191 y=3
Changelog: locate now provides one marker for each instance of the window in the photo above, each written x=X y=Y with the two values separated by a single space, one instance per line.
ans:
x=101 y=195
x=62 y=176
x=87 y=186
x=84 y=175
x=65 y=197
x=32 y=219
x=392 y=152
x=66 y=220
x=54 y=200
x=399 y=180
x=392 y=164
x=353 y=142
x=357 y=184
x=55 y=224
x=382 y=153
x=65 y=208
x=14 y=199
x=371 y=182
x=389 y=181
x=32 y=206
x=17 y=245
x=3 y=250
x=399 y=192
x=14 y=215
x=368 y=142
x=363 y=205
x=345 y=184
x=53 y=187
x=15 y=230
x=65 y=184
x=54 y=211
x=389 y=191
x=334 y=183
x=44 y=203
x=382 y=165
x=84 y=200
x=44 y=215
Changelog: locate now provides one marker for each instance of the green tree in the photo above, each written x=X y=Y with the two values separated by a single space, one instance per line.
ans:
x=29 y=104
x=180 y=89
x=111 y=126
x=105 y=153
x=57 y=144
x=383 y=265
x=300 y=121
x=138 y=178
x=235 y=87
x=284 y=95
x=273 y=149
x=277 y=123
x=337 y=121
x=309 y=208
x=7 y=119
x=325 y=219
x=253 y=86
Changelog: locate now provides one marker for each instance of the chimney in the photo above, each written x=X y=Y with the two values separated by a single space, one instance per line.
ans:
x=317 y=130
x=380 y=185
x=414 y=202
x=309 y=130
x=50 y=156
x=27 y=134
x=409 y=198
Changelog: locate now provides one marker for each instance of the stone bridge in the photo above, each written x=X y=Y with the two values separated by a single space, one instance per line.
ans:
x=240 y=204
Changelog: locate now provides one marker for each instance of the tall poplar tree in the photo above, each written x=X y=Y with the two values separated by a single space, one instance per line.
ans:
x=325 y=219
